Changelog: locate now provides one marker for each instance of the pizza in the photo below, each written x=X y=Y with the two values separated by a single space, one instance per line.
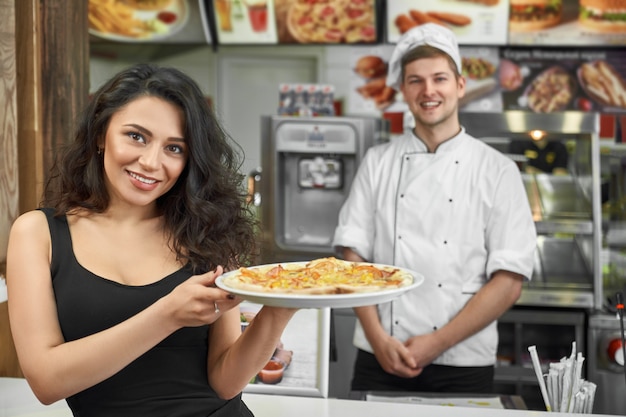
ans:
x=332 y=21
x=319 y=277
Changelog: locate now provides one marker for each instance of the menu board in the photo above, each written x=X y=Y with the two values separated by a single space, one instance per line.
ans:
x=551 y=80
x=157 y=21
x=474 y=22
x=245 y=21
x=567 y=22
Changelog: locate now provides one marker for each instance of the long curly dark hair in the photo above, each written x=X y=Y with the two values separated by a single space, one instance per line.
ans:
x=206 y=215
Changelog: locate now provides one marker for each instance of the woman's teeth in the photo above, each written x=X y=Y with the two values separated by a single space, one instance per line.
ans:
x=141 y=179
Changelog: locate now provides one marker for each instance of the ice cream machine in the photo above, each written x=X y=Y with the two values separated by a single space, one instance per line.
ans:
x=308 y=164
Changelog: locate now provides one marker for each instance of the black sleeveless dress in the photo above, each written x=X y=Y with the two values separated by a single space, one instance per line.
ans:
x=169 y=379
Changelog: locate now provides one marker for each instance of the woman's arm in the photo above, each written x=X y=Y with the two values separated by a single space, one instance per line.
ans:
x=56 y=369
x=235 y=357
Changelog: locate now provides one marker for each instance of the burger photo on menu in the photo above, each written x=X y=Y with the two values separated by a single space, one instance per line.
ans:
x=533 y=15
x=607 y=16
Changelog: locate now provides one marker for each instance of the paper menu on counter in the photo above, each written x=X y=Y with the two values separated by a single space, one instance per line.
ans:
x=307 y=338
x=474 y=22
x=479 y=402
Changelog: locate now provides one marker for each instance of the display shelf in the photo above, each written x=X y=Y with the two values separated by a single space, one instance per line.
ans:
x=566 y=208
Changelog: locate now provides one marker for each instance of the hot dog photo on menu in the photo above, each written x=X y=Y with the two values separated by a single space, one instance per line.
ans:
x=474 y=22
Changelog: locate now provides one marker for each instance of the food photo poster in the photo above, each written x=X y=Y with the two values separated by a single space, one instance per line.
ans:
x=474 y=22
x=541 y=80
x=550 y=80
x=245 y=21
x=295 y=21
x=369 y=94
x=158 y=21
x=327 y=22
x=567 y=22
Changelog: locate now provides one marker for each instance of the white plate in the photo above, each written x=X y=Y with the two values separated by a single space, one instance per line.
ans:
x=179 y=7
x=321 y=300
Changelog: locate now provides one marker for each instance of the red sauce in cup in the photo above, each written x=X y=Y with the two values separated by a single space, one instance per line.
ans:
x=167 y=17
x=272 y=373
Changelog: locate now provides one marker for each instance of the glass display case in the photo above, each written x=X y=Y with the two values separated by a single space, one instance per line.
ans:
x=566 y=286
x=566 y=206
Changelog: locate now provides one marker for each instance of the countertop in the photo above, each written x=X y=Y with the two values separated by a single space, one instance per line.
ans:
x=17 y=400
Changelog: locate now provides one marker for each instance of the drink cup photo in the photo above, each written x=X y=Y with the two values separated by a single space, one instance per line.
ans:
x=257 y=13
x=223 y=9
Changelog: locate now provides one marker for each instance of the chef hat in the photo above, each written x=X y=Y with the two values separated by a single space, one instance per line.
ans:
x=431 y=34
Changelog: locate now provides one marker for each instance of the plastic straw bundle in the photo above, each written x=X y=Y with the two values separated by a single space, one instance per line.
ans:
x=563 y=389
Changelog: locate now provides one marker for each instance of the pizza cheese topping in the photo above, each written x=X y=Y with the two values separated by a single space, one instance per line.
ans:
x=321 y=276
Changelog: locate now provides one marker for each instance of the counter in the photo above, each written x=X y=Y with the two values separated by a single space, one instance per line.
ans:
x=17 y=400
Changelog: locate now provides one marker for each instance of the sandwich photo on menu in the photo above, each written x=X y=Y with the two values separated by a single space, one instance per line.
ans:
x=607 y=16
x=532 y=15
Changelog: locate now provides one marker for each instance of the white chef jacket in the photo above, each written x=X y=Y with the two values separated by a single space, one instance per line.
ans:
x=455 y=216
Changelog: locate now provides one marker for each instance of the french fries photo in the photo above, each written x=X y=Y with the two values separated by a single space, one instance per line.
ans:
x=116 y=17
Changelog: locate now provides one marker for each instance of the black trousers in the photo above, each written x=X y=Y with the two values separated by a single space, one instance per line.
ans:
x=370 y=376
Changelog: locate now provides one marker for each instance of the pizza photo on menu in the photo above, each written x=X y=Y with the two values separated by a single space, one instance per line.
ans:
x=326 y=21
x=321 y=276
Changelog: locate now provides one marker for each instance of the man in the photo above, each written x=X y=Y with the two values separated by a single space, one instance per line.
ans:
x=441 y=203
x=542 y=155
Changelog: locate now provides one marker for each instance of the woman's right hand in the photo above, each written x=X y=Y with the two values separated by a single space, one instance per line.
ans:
x=197 y=301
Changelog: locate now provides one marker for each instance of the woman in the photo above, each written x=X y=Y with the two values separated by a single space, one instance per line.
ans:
x=113 y=303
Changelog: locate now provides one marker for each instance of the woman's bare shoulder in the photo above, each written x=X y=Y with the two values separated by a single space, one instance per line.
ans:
x=31 y=222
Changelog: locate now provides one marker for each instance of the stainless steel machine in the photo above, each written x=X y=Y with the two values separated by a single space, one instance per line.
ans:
x=308 y=164
x=606 y=364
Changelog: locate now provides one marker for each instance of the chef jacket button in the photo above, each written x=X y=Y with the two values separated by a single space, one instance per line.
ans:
x=450 y=200
x=399 y=237
x=439 y=285
x=408 y=159
x=401 y=195
x=445 y=242
x=434 y=327
x=396 y=322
